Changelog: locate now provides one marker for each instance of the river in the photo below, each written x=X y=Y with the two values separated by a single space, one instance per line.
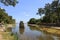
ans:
x=32 y=33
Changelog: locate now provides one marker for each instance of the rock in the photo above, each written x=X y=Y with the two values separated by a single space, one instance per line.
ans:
x=21 y=24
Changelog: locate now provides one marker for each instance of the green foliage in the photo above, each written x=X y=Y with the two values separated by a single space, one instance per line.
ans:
x=15 y=37
x=32 y=21
x=51 y=12
x=9 y=2
x=38 y=21
x=35 y=21
x=5 y=17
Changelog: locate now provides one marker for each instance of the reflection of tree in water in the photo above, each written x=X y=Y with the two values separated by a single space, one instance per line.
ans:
x=58 y=38
x=49 y=38
x=21 y=30
x=46 y=38
x=46 y=33
x=33 y=28
x=41 y=38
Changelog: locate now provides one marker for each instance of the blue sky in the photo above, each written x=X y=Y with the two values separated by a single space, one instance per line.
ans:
x=25 y=9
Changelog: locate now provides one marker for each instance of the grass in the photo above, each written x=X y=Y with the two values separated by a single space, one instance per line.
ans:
x=16 y=37
x=8 y=36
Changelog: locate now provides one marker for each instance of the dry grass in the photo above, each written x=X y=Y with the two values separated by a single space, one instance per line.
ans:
x=51 y=30
x=7 y=36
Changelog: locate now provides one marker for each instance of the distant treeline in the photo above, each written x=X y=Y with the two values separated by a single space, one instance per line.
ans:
x=5 y=18
x=51 y=14
x=34 y=21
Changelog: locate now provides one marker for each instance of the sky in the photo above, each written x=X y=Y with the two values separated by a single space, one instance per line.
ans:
x=25 y=9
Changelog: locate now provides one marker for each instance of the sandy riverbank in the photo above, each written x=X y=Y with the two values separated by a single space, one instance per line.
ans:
x=7 y=35
x=6 y=26
x=52 y=30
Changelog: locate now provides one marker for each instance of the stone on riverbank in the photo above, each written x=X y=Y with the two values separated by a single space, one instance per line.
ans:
x=21 y=24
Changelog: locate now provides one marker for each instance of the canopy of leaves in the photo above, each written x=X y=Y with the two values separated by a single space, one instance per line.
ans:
x=32 y=21
x=4 y=17
x=51 y=11
x=9 y=2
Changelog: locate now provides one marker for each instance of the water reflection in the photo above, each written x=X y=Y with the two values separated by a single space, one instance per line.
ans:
x=45 y=35
x=21 y=30
x=32 y=33
x=33 y=28
x=48 y=38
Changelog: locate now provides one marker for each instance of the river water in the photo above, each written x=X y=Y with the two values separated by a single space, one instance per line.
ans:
x=32 y=33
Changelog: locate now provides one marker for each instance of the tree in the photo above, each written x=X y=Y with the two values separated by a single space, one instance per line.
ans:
x=56 y=8
x=9 y=2
x=38 y=21
x=5 y=17
x=32 y=21
x=51 y=11
x=46 y=11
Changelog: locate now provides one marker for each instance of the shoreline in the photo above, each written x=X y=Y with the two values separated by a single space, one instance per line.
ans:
x=4 y=27
x=6 y=33
x=52 y=30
